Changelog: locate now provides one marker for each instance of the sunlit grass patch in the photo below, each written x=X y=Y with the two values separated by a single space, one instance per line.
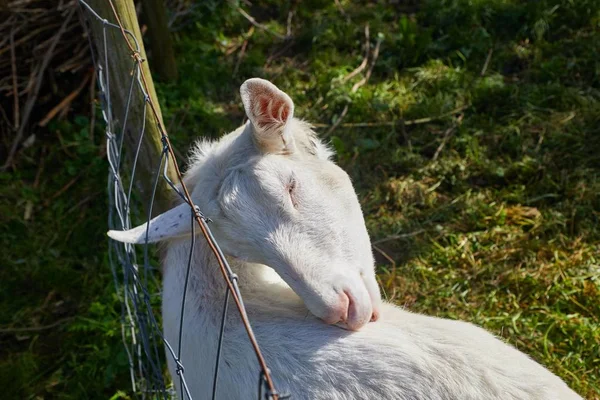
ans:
x=485 y=208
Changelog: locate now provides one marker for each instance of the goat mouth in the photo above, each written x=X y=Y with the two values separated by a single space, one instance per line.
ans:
x=351 y=311
x=346 y=300
x=358 y=316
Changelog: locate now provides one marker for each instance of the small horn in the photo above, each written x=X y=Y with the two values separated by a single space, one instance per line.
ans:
x=172 y=223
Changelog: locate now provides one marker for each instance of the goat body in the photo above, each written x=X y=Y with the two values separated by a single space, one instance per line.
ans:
x=277 y=199
x=401 y=356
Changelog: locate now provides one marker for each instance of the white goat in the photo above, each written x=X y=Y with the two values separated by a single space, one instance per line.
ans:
x=277 y=201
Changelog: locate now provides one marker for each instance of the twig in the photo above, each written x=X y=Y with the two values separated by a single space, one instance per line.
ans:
x=92 y=105
x=36 y=183
x=25 y=39
x=447 y=135
x=65 y=147
x=75 y=62
x=65 y=102
x=31 y=80
x=288 y=32
x=82 y=202
x=342 y=11
x=63 y=189
x=405 y=134
x=385 y=255
x=182 y=9
x=487 y=62
x=229 y=50
x=398 y=237
x=31 y=100
x=240 y=57
x=13 y=62
x=364 y=80
x=36 y=328
x=242 y=51
x=7 y=22
x=365 y=60
x=430 y=119
x=6 y=119
x=259 y=25
x=358 y=84
x=63 y=113
x=338 y=121
x=276 y=53
x=393 y=123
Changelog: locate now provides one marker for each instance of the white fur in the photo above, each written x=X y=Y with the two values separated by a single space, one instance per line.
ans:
x=316 y=241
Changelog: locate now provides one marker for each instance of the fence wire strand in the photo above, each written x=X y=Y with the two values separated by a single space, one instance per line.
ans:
x=140 y=331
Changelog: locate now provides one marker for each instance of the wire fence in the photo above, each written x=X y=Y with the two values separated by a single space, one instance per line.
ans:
x=136 y=283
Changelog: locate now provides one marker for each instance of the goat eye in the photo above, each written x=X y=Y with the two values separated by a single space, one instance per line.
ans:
x=291 y=187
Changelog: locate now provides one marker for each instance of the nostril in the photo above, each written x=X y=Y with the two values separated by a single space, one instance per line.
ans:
x=350 y=305
x=374 y=316
x=360 y=309
x=346 y=304
x=351 y=309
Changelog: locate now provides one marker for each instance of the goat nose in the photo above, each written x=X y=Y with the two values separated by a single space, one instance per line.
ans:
x=339 y=313
x=360 y=309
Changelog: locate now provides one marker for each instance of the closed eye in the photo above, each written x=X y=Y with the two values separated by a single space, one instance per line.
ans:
x=291 y=188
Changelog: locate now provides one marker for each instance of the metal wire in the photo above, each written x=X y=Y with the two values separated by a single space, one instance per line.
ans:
x=141 y=333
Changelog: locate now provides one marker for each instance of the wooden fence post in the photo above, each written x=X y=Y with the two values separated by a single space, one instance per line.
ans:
x=120 y=70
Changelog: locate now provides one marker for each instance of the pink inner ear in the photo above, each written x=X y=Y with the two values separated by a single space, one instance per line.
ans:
x=285 y=111
x=272 y=110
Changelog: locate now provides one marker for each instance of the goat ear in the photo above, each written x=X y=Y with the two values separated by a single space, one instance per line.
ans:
x=269 y=110
x=173 y=223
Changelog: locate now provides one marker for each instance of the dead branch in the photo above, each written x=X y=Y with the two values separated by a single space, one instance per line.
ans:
x=487 y=62
x=33 y=95
x=342 y=11
x=446 y=137
x=365 y=60
x=13 y=62
x=36 y=328
x=398 y=237
x=257 y=24
x=358 y=84
x=364 y=80
x=394 y=123
x=66 y=102
x=385 y=255
x=242 y=52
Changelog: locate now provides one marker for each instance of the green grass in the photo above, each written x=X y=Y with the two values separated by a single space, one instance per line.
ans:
x=501 y=228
